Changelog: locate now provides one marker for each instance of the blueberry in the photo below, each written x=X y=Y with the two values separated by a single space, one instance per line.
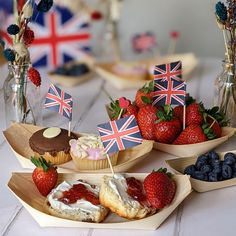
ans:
x=234 y=167
x=217 y=169
x=213 y=176
x=212 y=155
x=202 y=158
x=60 y=71
x=234 y=175
x=226 y=171
x=206 y=169
x=200 y=176
x=229 y=158
x=189 y=170
x=216 y=163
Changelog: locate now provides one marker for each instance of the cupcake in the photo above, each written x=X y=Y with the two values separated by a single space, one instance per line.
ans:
x=53 y=144
x=88 y=153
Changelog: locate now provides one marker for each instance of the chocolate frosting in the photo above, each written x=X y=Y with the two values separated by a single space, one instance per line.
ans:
x=40 y=144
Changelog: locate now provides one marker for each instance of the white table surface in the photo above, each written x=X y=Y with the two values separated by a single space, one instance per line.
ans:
x=211 y=213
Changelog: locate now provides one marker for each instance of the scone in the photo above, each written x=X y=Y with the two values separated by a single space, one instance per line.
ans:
x=53 y=144
x=88 y=153
x=76 y=200
x=124 y=197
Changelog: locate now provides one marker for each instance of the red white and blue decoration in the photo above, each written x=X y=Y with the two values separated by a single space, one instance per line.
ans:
x=59 y=101
x=120 y=134
x=169 y=92
x=168 y=71
x=60 y=36
x=144 y=42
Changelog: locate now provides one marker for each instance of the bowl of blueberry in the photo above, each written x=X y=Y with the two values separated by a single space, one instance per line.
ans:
x=71 y=74
x=209 y=171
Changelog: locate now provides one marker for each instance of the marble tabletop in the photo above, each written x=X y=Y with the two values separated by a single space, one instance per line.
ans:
x=210 y=213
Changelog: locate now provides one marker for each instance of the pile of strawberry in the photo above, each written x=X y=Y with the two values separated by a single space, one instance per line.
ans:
x=165 y=124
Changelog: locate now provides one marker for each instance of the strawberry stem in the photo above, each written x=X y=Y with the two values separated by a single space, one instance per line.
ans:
x=41 y=163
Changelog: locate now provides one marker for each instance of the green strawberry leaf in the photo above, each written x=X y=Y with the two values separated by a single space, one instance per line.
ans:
x=146 y=100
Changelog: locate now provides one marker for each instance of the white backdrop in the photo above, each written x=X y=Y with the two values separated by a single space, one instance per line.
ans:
x=194 y=19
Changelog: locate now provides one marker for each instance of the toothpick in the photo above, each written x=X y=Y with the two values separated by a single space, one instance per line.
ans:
x=172 y=46
x=184 y=117
x=109 y=161
x=121 y=111
x=69 y=127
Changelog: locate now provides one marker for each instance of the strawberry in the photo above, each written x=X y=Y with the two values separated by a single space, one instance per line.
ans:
x=160 y=188
x=44 y=175
x=167 y=127
x=144 y=95
x=131 y=110
x=194 y=114
x=178 y=113
x=146 y=119
x=192 y=134
x=214 y=125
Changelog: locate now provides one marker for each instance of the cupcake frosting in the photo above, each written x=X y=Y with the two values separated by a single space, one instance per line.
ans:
x=89 y=147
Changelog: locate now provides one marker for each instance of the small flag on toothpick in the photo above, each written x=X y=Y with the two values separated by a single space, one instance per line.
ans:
x=169 y=92
x=168 y=71
x=169 y=88
x=59 y=101
x=118 y=135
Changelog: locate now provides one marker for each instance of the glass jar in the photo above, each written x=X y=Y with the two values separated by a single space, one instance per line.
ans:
x=225 y=95
x=22 y=97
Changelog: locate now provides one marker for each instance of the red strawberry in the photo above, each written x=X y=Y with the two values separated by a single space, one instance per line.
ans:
x=167 y=128
x=194 y=114
x=178 y=113
x=144 y=95
x=44 y=175
x=131 y=110
x=160 y=188
x=192 y=134
x=214 y=125
x=146 y=119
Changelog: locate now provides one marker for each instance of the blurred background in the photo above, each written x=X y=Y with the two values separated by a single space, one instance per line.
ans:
x=193 y=20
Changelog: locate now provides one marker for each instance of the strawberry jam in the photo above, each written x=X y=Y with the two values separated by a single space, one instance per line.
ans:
x=77 y=192
x=135 y=189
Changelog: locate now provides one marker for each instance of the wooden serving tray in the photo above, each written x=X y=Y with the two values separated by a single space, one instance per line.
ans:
x=17 y=135
x=22 y=186
x=189 y=62
x=179 y=164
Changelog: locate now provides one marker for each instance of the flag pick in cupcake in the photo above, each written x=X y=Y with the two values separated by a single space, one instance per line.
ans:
x=169 y=88
x=120 y=134
x=59 y=101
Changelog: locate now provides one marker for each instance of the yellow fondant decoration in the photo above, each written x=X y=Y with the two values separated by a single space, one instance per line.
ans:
x=51 y=132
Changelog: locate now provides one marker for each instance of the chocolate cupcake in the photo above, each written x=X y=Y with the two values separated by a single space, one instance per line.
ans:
x=53 y=144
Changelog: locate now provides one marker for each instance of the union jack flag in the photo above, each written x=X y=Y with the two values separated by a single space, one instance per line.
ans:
x=59 y=101
x=168 y=71
x=169 y=92
x=143 y=42
x=120 y=134
x=60 y=37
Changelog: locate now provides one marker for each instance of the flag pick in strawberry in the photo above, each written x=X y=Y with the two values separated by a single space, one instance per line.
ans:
x=61 y=102
x=118 y=135
x=169 y=88
x=174 y=36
